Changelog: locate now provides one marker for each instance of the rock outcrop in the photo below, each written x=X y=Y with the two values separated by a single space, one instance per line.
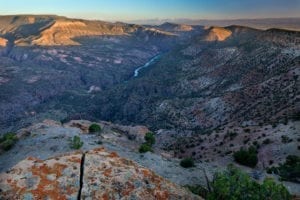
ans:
x=3 y=42
x=108 y=176
x=96 y=174
x=218 y=34
x=56 y=178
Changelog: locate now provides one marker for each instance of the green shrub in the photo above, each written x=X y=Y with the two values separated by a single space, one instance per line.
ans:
x=7 y=144
x=94 y=128
x=246 y=157
x=247 y=130
x=267 y=141
x=285 y=139
x=8 y=140
x=231 y=135
x=288 y=171
x=234 y=184
x=198 y=190
x=150 y=139
x=76 y=143
x=145 y=148
x=187 y=163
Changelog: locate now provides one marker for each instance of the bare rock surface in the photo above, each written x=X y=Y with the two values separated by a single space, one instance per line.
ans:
x=96 y=174
x=108 y=176
x=218 y=34
x=56 y=178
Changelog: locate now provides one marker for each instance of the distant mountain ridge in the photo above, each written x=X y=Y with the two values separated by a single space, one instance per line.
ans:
x=52 y=30
x=55 y=30
x=267 y=23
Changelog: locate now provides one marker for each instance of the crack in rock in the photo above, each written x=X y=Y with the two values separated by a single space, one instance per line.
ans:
x=81 y=176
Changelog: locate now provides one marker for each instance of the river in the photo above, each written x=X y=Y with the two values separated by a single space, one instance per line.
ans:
x=150 y=62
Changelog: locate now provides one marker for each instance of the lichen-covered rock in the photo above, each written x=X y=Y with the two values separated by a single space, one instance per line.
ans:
x=57 y=178
x=108 y=176
x=97 y=174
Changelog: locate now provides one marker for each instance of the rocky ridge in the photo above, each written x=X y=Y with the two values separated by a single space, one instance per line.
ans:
x=57 y=31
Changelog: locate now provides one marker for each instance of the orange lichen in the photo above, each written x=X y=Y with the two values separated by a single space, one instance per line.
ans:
x=32 y=158
x=69 y=190
x=43 y=189
x=162 y=195
x=101 y=149
x=105 y=196
x=113 y=155
x=17 y=190
x=128 y=190
x=146 y=172
x=107 y=172
x=74 y=159
x=126 y=162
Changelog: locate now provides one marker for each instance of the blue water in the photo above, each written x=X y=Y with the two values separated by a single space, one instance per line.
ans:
x=150 y=62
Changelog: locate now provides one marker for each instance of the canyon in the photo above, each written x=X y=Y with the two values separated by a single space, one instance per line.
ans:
x=204 y=92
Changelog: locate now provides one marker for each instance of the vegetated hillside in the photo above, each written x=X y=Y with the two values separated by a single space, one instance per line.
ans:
x=44 y=57
x=251 y=77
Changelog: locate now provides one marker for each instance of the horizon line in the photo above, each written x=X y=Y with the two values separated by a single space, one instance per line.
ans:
x=151 y=19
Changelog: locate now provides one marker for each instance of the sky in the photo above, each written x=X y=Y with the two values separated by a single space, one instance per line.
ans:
x=125 y=10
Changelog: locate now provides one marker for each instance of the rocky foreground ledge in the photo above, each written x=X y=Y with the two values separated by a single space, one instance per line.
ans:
x=95 y=174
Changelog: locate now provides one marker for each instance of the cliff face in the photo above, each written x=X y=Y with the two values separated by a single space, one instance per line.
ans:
x=63 y=31
x=96 y=174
